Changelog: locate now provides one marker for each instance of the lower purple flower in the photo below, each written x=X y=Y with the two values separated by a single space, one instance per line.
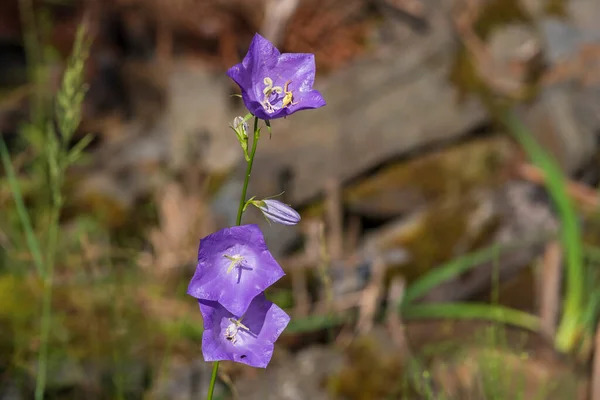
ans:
x=248 y=339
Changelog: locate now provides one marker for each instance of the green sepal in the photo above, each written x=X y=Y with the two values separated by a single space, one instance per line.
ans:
x=242 y=139
x=248 y=202
x=268 y=123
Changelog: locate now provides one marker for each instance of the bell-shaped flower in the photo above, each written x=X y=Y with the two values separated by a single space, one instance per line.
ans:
x=247 y=338
x=234 y=266
x=275 y=85
x=277 y=211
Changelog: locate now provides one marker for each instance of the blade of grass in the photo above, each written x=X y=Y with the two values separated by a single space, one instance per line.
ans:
x=317 y=322
x=25 y=220
x=478 y=311
x=455 y=268
x=445 y=272
x=570 y=234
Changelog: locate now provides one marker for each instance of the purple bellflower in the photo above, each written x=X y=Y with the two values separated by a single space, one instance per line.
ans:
x=275 y=85
x=277 y=211
x=234 y=266
x=248 y=339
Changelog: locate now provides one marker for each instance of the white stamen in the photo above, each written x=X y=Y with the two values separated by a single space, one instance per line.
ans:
x=233 y=329
x=235 y=260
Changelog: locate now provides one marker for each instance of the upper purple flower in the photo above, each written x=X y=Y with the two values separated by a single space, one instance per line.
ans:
x=275 y=85
x=234 y=266
x=249 y=339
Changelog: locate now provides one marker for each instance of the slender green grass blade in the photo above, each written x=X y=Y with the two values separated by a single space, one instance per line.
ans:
x=475 y=311
x=570 y=234
x=316 y=322
x=32 y=242
x=455 y=268
x=447 y=271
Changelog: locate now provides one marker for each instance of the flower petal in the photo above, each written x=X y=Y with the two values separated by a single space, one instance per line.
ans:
x=307 y=101
x=254 y=346
x=292 y=73
x=296 y=67
x=236 y=287
x=262 y=52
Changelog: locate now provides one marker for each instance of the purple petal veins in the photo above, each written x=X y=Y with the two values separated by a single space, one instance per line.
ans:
x=247 y=339
x=275 y=85
x=234 y=266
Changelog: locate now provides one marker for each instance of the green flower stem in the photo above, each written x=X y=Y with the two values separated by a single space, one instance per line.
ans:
x=248 y=172
x=213 y=380
x=215 y=370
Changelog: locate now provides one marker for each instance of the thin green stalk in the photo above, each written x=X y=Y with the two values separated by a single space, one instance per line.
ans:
x=213 y=379
x=215 y=370
x=40 y=379
x=69 y=101
x=42 y=370
x=44 y=269
x=248 y=172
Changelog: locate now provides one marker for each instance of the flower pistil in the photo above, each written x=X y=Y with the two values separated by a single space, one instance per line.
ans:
x=235 y=260
x=233 y=328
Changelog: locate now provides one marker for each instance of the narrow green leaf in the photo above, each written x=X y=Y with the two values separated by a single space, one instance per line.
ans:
x=317 y=322
x=570 y=234
x=476 y=311
x=32 y=241
x=453 y=269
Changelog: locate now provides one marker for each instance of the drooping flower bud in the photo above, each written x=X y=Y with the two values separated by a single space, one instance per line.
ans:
x=277 y=211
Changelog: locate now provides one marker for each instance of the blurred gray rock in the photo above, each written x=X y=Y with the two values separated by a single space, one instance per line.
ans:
x=299 y=378
x=565 y=116
x=198 y=118
x=185 y=381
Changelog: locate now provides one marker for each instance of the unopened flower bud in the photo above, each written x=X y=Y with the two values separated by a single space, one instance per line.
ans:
x=277 y=211
x=240 y=125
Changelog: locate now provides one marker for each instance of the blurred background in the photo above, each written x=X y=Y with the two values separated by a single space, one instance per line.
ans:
x=448 y=247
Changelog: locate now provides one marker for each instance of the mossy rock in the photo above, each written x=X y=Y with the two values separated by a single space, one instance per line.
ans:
x=372 y=372
x=407 y=185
